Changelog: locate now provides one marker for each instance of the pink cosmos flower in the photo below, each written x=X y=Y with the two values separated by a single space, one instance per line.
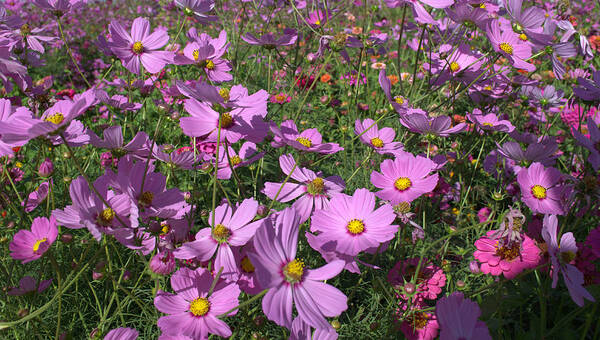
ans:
x=31 y=245
x=430 y=281
x=421 y=14
x=198 y=9
x=36 y=197
x=231 y=159
x=288 y=280
x=268 y=40
x=405 y=178
x=418 y=121
x=192 y=311
x=206 y=53
x=489 y=121
x=302 y=331
x=10 y=116
x=248 y=280
x=163 y=263
x=541 y=190
x=309 y=140
x=592 y=142
x=232 y=228
x=59 y=7
x=313 y=189
x=382 y=141
x=507 y=43
x=113 y=140
x=353 y=223
x=140 y=47
x=122 y=333
x=500 y=257
x=28 y=284
x=561 y=256
x=457 y=318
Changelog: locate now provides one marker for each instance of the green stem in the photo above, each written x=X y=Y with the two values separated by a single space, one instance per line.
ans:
x=243 y=304
x=62 y=36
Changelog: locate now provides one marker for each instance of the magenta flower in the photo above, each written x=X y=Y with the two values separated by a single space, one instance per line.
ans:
x=405 y=178
x=232 y=228
x=309 y=140
x=421 y=14
x=113 y=140
x=28 y=284
x=163 y=263
x=353 y=223
x=313 y=189
x=12 y=117
x=288 y=280
x=31 y=245
x=206 y=54
x=541 y=189
x=507 y=43
x=269 y=41
x=500 y=257
x=140 y=47
x=231 y=159
x=430 y=281
x=419 y=325
x=398 y=102
x=192 y=311
x=561 y=255
x=457 y=318
x=489 y=121
x=441 y=126
x=382 y=141
x=198 y=9
x=122 y=333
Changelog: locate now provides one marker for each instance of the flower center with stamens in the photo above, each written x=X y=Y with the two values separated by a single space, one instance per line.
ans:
x=106 y=217
x=523 y=36
x=55 y=118
x=235 y=160
x=25 y=29
x=507 y=48
x=200 y=306
x=137 y=48
x=224 y=93
x=220 y=233
x=196 y=54
x=402 y=183
x=567 y=256
x=208 y=64
x=454 y=66
x=402 y=208
x=280 y=98
x=188 y=11
x=294 y=270
x=316 y=186
x=418 y=320
x=508 y=252
x=304 y=141
x=247 y=265
x=377 y=142
x=355 y=227
x=538 y=192
x=146 y=198
x=38 y=243
x=164 y=230
x=318 y=22
x=399 y=100
x=226 y=120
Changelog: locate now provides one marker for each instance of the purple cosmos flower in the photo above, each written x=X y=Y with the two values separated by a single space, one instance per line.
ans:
x=89 y=211
x=181 y=158
x=302 y=331
x=353 y=223
x=313 y=189
x=405 y=178
x=206 y=53
x=28 y=284
x=464 y=13
x=22 y=34
x=36 y=197
x=563 y=49
x=113 y=140
x=462 y=64
x=588 y=89
x=60 y=7
x=541 y=190
x=247 y=280
x=309 y=140
x=140 y=47
x=489 y=121
x=122 y=333
x=288 y=280
x=31 y=245
x=317 y=18
x=584 y=45
x=457 y=318
x=528 y=21
x=163 y=263
x=420 y=13
x=198 y=9
x=230 y=159
x=117 y=101
x=232 y=228
x=592 y=143
x=546 y=97
x=382 y=141
x=399 y=103
x=419 y=122
x=236 y=124
x=12 y=117
x=507 y=43
x=269 y=41
x=561 y=255
x=192 y=311
x=536 y=152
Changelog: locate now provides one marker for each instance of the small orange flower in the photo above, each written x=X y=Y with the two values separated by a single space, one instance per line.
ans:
x=393 y=79
x=458 y=119
x=325 y=78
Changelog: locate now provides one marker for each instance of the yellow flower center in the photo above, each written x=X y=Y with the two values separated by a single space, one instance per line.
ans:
x=38 y=243
x=507 y=48
x=235 y=160
x=146 y=198
x=138 y=48
x=208 y=64
x=200 y=306
x=220 y=233
x=508 y=253
x=294 y=270
x=165 y=229
x=55 y=118
x=247 y=265
x=106 y=217
x=318 y=22
x=280 y=97
x=224 y=92
x=399 y=100
x=377 y=142
x=487 y=124
x=355 y=226
x=567 y=256
x=304 y=141
x=25 y=29
x=402 y=208
x=402 y=183
x=454 y=66
x=523 y=36
x=418 y=320
x=487 y=88
x=538 y=192
x=226 y=120
x=316 y=186
x=196 y=54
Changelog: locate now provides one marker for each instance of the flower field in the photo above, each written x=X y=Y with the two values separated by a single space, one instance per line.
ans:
x=299 y=169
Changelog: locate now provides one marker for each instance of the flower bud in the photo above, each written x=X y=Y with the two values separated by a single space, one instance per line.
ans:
x=66 y=238
x=46 y=168
x=410 y=288
x=474 y=267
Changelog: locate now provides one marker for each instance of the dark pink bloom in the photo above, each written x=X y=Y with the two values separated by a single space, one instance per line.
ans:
x=500 y=257
x=419 y=325
x=541 y=189
x=192 y=311
x=31 y=245
x=457 y=318
x=140 y=47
